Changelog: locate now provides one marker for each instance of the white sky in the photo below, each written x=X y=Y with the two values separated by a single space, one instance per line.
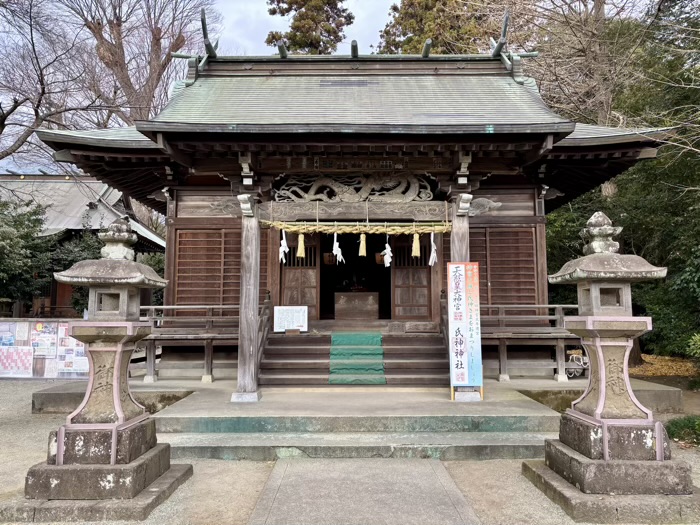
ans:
x=246 y=24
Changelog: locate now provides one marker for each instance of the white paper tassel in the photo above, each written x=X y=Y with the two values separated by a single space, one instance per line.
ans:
x=433 y=250
x=388 y=256
x=284 y=249
x=336 y=250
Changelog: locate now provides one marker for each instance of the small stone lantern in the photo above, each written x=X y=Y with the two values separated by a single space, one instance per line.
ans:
x=609 y=443
x=107 y=449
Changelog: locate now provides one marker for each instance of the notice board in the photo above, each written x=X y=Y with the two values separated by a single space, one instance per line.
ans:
x=464 y=324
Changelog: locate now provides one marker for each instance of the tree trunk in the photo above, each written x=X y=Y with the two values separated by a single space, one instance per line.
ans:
x=636 y=355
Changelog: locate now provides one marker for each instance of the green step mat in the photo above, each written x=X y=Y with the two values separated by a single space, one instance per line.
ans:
x=356 y=352
x=357 y=366
x=347 y=379
x=356 y=339
x=356 y=358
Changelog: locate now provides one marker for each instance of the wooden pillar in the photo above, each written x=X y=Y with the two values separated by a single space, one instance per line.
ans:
x=459 y=237
x=247 y=389
x=560 y=374
x=151 y=374
x=208 y=376
x=503 y=360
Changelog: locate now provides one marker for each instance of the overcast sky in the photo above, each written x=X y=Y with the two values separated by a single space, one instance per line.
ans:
x=246 y=24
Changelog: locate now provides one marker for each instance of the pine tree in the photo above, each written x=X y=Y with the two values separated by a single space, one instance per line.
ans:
x=316 y=28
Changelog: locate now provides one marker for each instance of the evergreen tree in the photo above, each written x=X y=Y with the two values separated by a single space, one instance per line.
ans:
x=24 y=256
x=316 y=28
x=454 y=26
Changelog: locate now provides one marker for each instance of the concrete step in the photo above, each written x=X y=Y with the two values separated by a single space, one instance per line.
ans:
x=439 y=445
x=485 y=420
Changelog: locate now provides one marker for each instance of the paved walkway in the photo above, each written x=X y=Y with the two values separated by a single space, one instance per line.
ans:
x=361 y=491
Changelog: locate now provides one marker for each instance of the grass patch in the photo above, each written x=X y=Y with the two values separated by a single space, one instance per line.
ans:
x=686 y=429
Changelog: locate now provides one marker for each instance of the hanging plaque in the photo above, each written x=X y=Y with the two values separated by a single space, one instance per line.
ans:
x=464 y=324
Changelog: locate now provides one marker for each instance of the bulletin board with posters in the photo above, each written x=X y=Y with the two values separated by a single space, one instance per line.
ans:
x=38 y=348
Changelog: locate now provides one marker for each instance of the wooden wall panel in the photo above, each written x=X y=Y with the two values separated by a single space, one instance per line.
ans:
x=508 y=264
x=411 y=282
x=512 y=277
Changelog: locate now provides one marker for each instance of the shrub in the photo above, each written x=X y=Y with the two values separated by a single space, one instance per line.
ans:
x=684 y=429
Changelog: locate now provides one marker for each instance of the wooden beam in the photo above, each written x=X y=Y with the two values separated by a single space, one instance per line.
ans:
x=247 y=389
x=175 y=154
x=426 y=48
x=459 y=236
x=431 y=211
x=211 y=50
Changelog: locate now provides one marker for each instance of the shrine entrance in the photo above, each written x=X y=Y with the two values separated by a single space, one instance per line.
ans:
x=359 y=288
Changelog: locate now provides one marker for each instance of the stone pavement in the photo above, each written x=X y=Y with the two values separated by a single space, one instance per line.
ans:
x=359 y=491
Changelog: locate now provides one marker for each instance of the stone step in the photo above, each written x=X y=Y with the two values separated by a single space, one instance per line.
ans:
x=484 y=418
x=438 y=445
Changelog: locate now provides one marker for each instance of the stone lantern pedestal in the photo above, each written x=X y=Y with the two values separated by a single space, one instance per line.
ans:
x=106 y=454
x=612 y=462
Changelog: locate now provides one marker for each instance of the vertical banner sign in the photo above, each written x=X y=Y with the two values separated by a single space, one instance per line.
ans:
x=464 y=324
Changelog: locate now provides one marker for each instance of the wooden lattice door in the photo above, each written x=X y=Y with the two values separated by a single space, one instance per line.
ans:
x=301 y=276
x=411 y=280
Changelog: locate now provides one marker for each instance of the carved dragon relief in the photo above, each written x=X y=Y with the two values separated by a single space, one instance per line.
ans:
x=392 y=188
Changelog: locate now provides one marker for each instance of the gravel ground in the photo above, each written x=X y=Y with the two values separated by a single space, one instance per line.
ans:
x=219 y=492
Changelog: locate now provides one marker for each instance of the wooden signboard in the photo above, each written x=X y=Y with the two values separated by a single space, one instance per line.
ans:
x=291 y=318
x=464 y=324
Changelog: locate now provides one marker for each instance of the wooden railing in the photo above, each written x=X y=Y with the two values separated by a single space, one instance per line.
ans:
x=529 y=315
x=206 y=317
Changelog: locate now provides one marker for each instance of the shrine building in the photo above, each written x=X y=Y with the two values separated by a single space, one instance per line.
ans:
x=437 y=158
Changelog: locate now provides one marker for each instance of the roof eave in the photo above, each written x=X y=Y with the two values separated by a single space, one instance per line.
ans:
x=151 y=127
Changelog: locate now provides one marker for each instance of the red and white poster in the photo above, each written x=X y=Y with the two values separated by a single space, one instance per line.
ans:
x=16 y=361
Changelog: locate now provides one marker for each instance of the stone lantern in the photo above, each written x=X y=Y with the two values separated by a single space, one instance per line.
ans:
x=609 y=443
x=107 y=449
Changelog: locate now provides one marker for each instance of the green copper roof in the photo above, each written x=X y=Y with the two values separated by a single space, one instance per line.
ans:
x=360 y=103
x=587 y=135
x=126 y=137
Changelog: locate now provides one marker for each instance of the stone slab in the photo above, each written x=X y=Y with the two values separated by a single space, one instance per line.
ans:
x=246 y=397
x=594 y=476
x=404 y=492
x=626 y=442
x=65 y=397
x=94 y=447
x=97 y=482
x=424 y=445
x=138 y=508
x=600 y=508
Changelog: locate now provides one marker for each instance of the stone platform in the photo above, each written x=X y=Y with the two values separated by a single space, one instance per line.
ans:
x=19 y=509
x=602 y=508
